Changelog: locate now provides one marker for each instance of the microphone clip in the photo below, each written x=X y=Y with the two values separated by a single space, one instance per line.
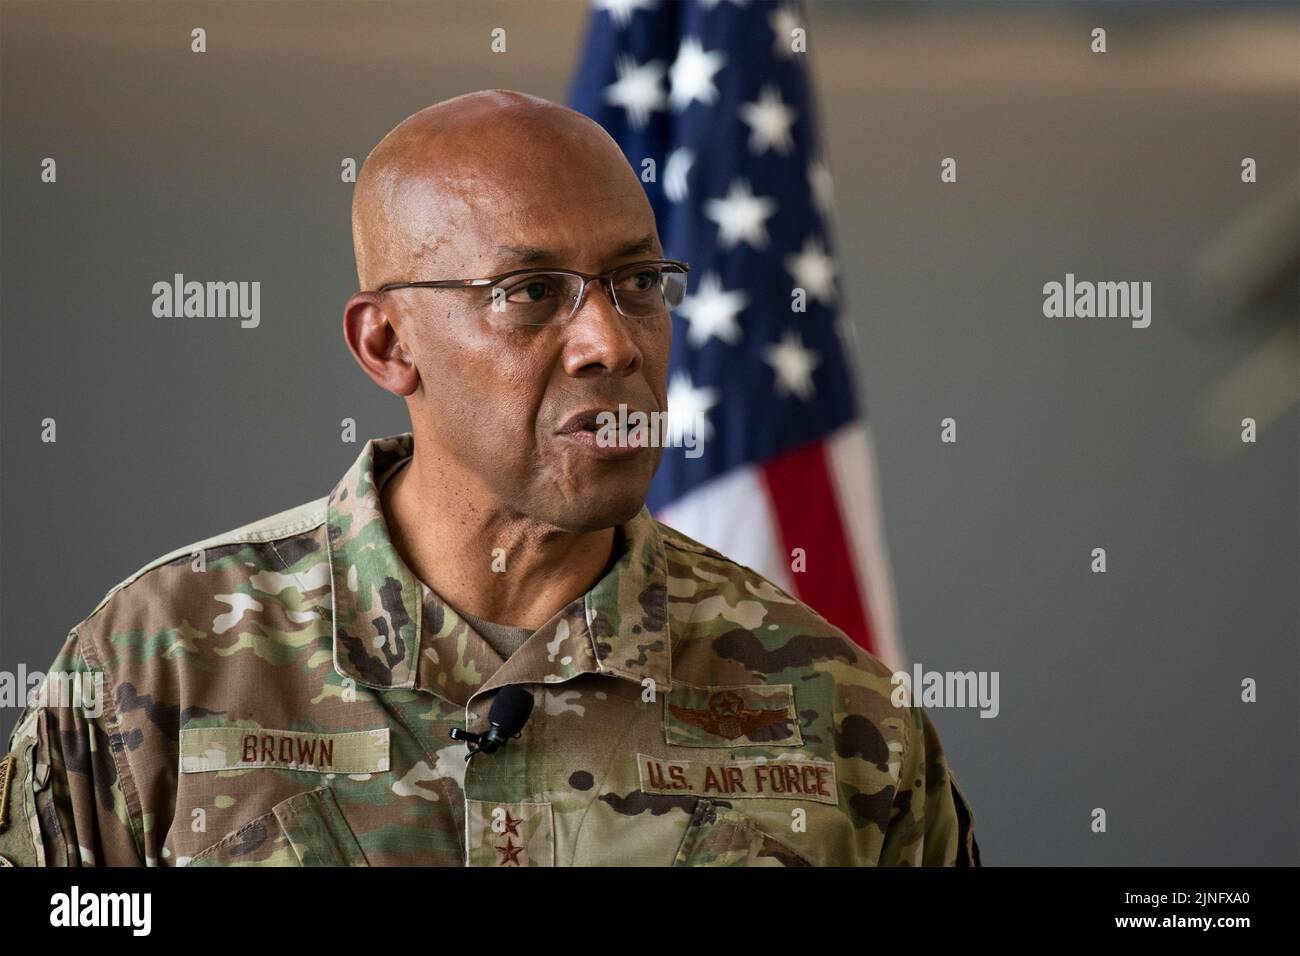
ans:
x=506 y=718
x=487 y=743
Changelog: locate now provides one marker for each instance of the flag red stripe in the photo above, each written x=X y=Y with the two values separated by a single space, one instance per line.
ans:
x=802 y=491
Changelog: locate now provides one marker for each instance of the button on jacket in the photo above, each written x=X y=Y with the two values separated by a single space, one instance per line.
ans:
x=282 y=695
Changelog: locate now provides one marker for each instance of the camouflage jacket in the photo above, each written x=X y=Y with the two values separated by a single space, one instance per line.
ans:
x=282 y=695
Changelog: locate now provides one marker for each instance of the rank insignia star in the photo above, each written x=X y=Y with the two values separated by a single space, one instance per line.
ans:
x=509 y=853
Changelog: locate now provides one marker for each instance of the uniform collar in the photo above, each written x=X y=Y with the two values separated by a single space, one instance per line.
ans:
x=392 y=630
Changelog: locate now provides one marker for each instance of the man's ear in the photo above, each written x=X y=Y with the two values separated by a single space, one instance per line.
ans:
x=373 y=340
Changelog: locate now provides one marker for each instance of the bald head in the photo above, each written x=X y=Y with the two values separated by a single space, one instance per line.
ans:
x=449 y=185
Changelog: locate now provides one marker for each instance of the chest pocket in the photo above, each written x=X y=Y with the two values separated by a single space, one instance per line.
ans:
x=307 y=829
x=719 y=835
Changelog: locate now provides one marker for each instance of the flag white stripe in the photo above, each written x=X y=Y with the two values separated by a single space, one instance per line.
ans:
x=852 y=458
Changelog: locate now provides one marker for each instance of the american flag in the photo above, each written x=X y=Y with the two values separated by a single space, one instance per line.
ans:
x=711 y=103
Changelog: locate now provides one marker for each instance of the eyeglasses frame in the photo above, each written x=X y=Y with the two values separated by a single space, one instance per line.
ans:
x=587 y=278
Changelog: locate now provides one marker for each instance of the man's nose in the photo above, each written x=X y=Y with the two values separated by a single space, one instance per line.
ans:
x=598 y=337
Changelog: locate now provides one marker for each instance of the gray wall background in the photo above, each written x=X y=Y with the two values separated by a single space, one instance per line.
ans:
x=1118 y=691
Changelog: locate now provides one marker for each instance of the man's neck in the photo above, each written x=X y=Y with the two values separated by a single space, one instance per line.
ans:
x=451 y=544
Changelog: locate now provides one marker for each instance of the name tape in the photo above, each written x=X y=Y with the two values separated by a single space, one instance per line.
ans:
x=205 y=749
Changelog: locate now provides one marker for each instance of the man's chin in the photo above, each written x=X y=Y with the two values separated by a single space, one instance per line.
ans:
x=597 y=514
x=604 y=497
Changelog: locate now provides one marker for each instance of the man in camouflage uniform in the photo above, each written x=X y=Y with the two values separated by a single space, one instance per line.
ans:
x=283 y=694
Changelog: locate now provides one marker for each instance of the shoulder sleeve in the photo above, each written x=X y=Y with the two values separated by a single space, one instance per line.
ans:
x=63 y=794
x=931 y=824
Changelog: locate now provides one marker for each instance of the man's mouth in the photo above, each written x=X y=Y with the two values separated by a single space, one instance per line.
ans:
x=596 y=429
x=587 y=420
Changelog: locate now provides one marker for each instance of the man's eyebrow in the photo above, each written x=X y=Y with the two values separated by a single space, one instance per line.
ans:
x=519 y=257
x=514 y=257
x=637 y=246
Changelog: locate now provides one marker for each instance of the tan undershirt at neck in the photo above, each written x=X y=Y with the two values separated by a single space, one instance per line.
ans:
x=505 y=639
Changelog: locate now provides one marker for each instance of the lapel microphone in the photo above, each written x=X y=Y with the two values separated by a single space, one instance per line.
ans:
x=510 y=710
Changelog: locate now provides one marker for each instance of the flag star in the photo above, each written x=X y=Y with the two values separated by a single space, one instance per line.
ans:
x=784 y=22
x=813 y=270
x=793 y=365
x=691 y=76
x=637 y=89
x=741 y=216
x=688 y=409
x=712 y=312
x=819 y=181
x=769 y=121
x=621 y=10
x=676 y=170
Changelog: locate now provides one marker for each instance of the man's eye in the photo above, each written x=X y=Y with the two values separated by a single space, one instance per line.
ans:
x=530 y=290
x=642 y=281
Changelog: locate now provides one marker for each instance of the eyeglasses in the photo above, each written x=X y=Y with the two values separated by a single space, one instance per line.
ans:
x=639 y=290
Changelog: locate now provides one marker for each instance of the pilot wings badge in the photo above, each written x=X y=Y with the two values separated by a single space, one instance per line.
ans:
x=736 y=712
